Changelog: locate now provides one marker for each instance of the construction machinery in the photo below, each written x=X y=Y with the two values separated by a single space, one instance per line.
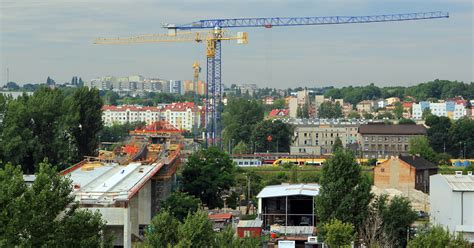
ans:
x=177 y=33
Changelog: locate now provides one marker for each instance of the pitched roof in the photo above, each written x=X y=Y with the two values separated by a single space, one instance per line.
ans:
x=132 y=108
x=418 y=162
x=382 y=128
x=278 y=112
x=222 y=216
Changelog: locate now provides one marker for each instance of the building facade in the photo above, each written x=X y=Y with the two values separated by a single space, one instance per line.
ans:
x=380 y=140
x=182 y=115
x=452 y=110
x=404 y=173
x=316 y=137
x=366 y=106
x=452 y=203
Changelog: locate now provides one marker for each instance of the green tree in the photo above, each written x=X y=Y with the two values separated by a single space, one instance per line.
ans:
x=241 y=148
x=44 y=214
x=438 y=133
x=337 y=144
x=279 y=103
x=207 y=174
x=338 y=234
x=196 y=230
x=406 y=121
x=12 y=86
x=426 y=113
x=421 y=146
x=303 y=111
x=368 y=116
x=34 y=128
x=85 y=120
x=280 y=133
x=330 y=110
x=462 y=138
x=162 y=231
x=353 y=115
x=398 y=111
x=437 y=236
x=239 y=119
x=179 y=204
x=345 y=193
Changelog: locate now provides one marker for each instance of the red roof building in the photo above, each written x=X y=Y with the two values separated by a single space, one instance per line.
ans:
x=278 y=113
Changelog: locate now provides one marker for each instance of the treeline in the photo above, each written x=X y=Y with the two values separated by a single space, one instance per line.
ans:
x=437 y=89
x=453 y=138
x=54 y=125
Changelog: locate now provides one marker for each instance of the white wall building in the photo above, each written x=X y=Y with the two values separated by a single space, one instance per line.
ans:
x=182 y=115
x=452 y=203
x=129 y=114
x=452 y=110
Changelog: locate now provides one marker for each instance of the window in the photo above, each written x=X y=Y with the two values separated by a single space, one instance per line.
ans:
x=382 y=170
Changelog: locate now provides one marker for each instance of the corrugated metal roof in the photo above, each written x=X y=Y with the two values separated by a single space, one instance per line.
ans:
x=460 y=182
x=289 y=190
x=250 y=223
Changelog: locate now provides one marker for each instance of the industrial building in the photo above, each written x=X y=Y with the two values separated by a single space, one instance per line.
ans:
x=452 y=203
x=288 y=209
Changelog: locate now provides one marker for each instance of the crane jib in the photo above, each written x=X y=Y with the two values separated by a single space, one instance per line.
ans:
x=299 y=21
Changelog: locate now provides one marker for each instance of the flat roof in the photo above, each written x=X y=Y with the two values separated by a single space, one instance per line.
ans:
x=460 y=182
x=110 y=182
x=289 y=190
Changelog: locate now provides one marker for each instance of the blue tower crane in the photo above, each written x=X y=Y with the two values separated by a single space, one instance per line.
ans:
x=214 y=66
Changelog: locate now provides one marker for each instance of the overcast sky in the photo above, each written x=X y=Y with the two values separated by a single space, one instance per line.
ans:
x=41 y=38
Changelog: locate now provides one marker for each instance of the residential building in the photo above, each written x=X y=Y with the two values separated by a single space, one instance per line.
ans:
x=407 y=109
x=347 y=108
x=366 y=106
x=268 y=100
x=381 y=103
x=450 y=109
x=129 y=114
x=220 y=221
x=248 y=88
x=316 y=137
x=289 y=209
x=380 y=140
x=404 y=173
x=182 y=115
x=392 y=100
x=452 y=203
x=293 y=107
x=176 y=87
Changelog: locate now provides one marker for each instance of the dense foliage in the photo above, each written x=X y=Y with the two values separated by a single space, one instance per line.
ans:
x=117 y=132
x=437 y=236
x=179 y=204
x=453 y=137
x=50 y=124
x=194 y=231
x=338 y=234
x=437 y=89
x=345 y=193
x=239 y=119
x=330 y=110
x=29 y=215
x=279 y=132
x=207 y=175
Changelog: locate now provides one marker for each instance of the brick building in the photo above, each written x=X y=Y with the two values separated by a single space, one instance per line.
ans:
x=380 y=140
x=404 y=173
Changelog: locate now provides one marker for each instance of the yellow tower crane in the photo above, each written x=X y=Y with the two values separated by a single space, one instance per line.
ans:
x=213 y=40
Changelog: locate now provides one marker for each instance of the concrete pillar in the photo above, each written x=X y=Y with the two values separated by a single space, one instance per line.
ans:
x=133 y=206
x=127 y=231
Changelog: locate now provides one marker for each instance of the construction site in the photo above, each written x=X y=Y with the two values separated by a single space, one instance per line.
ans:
x=127 y=185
